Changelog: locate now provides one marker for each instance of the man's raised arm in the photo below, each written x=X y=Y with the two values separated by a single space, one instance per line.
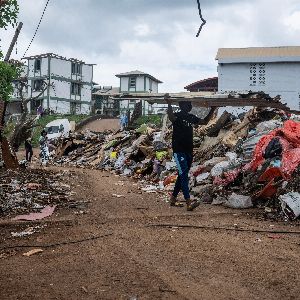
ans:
x=170 y=112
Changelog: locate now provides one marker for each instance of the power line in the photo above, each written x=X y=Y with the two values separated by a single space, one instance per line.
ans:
x=203 y=21
x=37 y=28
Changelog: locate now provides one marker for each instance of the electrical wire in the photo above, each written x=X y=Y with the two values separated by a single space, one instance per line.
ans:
x=37 y=28
x=203 y=21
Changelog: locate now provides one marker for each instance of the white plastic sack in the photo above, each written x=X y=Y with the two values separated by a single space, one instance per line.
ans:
x=290 y=202
x=219 y=168
x=268 y=125
x=238 y=201
x=232 y=156
x=202 y=177
x=215 y=160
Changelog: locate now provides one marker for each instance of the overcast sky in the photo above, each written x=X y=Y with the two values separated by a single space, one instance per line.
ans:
x=154 y=36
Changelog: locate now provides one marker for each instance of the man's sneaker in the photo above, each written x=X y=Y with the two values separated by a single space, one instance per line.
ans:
x=191 y=205
x=174 y=202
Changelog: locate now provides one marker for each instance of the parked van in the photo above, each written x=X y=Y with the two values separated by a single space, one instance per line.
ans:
x=58 y=128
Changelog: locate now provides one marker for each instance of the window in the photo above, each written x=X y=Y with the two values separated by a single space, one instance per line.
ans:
x=76 y=68
x=38 y=85
x=35 y=105
x=75 y=88
x=262 y=74
x=253 y=74
x=37 y=65
x=258 y=74
x=132 y=83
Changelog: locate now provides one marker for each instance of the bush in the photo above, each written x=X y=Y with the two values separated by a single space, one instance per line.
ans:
x=151 y=119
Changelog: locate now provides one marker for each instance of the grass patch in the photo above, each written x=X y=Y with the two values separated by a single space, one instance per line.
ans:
x=151 y=119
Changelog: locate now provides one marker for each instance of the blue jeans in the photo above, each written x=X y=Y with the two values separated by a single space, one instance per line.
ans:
x=184 y=163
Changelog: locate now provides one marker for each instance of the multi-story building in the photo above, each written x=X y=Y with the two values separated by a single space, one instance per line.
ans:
x=103 y=102
x=138 y=82
x=69 y=84
x=273 y=70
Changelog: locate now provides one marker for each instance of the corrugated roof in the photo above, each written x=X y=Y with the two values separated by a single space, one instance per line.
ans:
x=138 y=73
x=201 y=81
x=259 y=54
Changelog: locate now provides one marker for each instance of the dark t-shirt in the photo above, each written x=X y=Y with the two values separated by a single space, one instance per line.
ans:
x=182 y=140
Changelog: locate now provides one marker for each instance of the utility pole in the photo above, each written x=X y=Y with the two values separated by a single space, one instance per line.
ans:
x=13 y=42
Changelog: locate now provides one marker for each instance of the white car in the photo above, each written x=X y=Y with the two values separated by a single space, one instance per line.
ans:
x=58 y=128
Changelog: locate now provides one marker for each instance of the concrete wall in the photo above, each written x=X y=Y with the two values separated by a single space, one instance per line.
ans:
x=279 y=79
x=124 y=84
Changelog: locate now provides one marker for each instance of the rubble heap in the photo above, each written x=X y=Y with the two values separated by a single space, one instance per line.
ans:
x=239 y=162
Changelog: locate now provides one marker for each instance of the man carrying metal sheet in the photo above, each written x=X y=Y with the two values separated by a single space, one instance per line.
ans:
x=182 y=145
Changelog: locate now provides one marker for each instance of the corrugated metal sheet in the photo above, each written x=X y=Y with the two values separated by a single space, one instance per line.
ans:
x=288 y=53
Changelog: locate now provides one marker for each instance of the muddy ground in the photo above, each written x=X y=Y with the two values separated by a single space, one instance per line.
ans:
x=107 y=250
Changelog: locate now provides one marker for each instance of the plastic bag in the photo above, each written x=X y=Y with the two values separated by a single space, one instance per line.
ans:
x=238 y=201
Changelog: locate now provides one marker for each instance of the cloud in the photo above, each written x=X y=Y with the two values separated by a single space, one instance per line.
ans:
x=155 y=36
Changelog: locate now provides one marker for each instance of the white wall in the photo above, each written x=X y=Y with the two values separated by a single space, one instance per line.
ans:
x=280 y=79
x=60 y=67
x=124 y=84
x=154 y=87
x=140 y=84
x=61 y=89
x=87 y=73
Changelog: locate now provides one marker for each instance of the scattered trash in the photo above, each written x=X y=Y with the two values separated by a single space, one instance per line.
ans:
x=45 y=212
x=118 y=196
x=240 y=162
x=32 y=252
x=290 y=204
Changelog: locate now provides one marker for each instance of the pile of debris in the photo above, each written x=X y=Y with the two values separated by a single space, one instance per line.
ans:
x=240 y=162
x=32 y=190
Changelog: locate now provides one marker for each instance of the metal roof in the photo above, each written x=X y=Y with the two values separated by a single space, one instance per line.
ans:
x=138 y=73
x=58 y=57
x=201 y=81
x=112 y=91
x=259 y=54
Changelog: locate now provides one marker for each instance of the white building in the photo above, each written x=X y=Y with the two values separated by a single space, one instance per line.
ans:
x=138 y=82
x=273 y=70
x=70 y=84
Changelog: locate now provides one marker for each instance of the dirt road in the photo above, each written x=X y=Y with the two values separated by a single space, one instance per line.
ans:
x=102 y=125
x=117 y=255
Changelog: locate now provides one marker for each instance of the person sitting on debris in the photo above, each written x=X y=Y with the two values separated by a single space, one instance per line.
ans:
x=28 y=150
x=182 y=144
x=44 y=148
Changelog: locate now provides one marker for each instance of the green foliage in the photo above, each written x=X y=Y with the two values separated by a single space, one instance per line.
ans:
x=8 y=73
x=9 y=10
x=151 y=119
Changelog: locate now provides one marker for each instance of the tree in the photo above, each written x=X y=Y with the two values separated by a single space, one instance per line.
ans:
x=8 y=72
x=9 y=10
x=25 y=124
